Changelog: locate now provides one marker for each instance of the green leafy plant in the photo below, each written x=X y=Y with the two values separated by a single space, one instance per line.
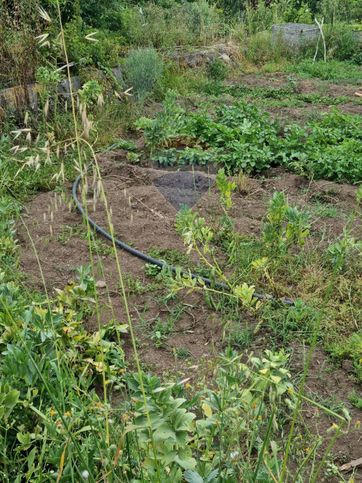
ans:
x=71 y=408
x=299 y=319
x=241 y=138
x=169 y=125
x=161 y=330
x=48 y=79
x=171 y=428
x=8 y=400
x=225 y=187
x=356 y=400
x=237 y=137
x=249 y=391
x=329 y=148
x=285 y=226
x=91 y=93
x=103 y=49
x=339 y=251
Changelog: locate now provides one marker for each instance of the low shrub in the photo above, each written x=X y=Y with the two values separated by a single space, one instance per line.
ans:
x=143 y=70
x=217 y=70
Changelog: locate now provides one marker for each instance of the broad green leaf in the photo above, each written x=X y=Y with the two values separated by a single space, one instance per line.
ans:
x=164 y=432
x=193 y=477
x=185 y=461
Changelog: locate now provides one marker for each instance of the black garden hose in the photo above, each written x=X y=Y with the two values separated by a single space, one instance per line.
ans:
x=155 y=261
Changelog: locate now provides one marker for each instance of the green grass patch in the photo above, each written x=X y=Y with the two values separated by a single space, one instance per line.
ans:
x=333 y=70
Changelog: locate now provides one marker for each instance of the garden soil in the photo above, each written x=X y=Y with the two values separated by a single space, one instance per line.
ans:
x=144 y=202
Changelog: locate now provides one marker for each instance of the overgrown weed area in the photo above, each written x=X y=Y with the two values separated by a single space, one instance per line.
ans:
x=210 y=144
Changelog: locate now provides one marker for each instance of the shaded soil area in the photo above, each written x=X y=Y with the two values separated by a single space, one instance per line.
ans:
x=183 y=188
x=143 y=203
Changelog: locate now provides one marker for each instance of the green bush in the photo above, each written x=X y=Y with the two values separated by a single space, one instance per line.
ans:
x=179 y=24
x=340 y=10
x=100 y=14
x=90 y=93
x=301 y=13
x=217 y=70
x=143 y=70
x=261 y=48
x=18 y=56
x=259 y=18
x=342 y=43
x=148 y=27
x=203 y=20
x=104 y=51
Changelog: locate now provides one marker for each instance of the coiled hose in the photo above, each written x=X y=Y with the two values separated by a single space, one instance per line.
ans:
x=154 y=261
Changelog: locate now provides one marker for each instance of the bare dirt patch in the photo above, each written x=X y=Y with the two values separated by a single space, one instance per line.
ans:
x=287 y=115
x=311 y=86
